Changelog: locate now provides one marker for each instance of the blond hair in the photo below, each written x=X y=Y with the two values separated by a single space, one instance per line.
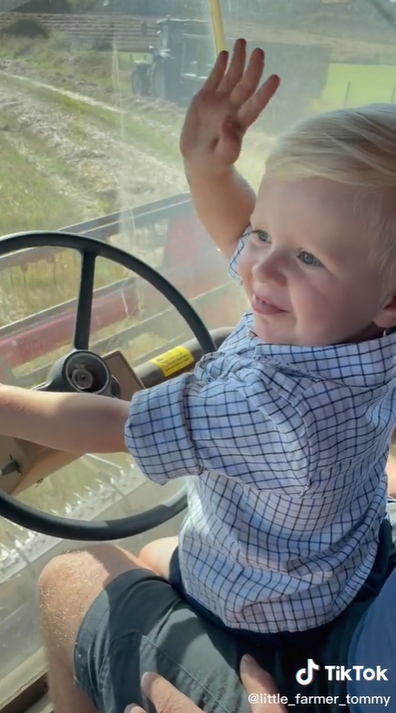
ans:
x=355 y=147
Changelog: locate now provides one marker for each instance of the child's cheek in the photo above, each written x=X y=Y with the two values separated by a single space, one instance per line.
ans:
x=245 y=268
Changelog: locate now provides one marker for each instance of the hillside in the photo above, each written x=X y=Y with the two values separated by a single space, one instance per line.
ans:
x=356 y=28
x=358 y=19
x=368 y=20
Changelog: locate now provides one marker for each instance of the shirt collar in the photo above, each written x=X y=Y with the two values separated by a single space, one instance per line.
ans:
x=366 y=364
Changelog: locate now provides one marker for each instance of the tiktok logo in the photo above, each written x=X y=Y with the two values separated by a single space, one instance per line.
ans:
x=305 y=675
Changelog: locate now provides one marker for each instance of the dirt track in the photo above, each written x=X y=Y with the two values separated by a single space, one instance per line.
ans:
x=94 y=164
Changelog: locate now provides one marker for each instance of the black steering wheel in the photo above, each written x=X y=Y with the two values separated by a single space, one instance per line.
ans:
x=61 y=379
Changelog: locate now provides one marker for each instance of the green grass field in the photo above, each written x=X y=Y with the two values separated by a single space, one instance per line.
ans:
x=356 y=84
x=26 y=194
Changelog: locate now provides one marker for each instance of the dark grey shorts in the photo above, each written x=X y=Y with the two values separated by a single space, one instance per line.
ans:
x=140 y=623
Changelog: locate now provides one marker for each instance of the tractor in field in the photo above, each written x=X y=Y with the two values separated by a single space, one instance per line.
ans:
x=183 y=55
x=166 y=76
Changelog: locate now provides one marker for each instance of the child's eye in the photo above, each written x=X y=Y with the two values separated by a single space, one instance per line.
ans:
x=262 y=235
x=309 y=259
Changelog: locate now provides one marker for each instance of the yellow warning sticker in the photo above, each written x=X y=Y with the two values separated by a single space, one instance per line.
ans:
x=173 y=361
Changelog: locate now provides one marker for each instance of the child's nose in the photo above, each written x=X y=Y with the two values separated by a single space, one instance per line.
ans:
x=270 y=268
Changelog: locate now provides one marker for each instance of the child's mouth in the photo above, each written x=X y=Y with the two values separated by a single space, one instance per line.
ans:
x=262 y=307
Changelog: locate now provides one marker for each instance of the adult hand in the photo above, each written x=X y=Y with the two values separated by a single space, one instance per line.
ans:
x=260 y=688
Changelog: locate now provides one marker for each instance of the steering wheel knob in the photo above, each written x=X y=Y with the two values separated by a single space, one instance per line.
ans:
x=82 y=379
x=81 y=371
x=86 y=371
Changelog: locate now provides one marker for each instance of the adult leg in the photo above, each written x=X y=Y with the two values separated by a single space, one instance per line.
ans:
x=106 y=621
x=137 y=623
x=68 y=586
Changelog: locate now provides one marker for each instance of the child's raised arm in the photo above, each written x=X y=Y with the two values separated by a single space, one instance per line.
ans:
x=211 y=141
x=76 y=423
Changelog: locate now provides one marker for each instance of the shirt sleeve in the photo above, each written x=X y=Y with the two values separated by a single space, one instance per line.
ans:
x=235 y=426
x=233 y=269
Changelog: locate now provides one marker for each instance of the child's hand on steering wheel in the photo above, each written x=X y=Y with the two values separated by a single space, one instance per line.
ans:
x=222 y=111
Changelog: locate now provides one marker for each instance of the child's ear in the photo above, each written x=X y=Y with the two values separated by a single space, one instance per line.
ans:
x=386 y=318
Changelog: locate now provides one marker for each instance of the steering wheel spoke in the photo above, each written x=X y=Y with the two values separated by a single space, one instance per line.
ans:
x=82 y=325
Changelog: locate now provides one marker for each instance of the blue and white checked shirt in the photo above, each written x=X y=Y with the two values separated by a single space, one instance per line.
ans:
x=286 y=447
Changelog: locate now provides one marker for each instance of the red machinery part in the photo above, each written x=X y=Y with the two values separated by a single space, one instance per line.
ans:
x=191 y=262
